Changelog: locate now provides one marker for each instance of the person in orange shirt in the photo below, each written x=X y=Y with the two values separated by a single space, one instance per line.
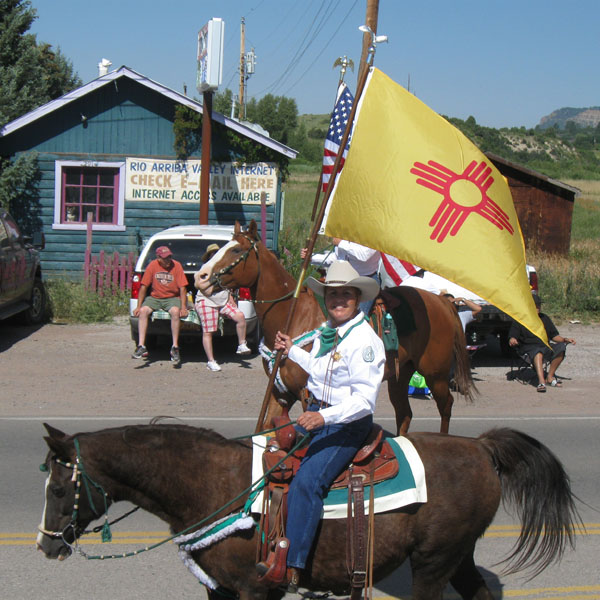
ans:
x=168 y=289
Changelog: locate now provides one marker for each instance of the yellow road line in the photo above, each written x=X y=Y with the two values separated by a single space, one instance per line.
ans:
x=579 y=592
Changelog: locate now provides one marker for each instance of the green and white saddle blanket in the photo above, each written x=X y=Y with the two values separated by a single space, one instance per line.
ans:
x=407 y=487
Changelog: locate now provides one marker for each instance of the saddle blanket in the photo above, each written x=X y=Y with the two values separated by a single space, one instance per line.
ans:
x=407 y=487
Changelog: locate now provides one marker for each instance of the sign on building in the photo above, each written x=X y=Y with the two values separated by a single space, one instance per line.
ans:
x=210 y=55
x=179 y=181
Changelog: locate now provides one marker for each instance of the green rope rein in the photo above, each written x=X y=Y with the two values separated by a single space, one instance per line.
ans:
x=253 y=488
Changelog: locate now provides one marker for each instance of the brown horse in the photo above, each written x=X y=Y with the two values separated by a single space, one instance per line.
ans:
x=184 y=474
x=429 y=348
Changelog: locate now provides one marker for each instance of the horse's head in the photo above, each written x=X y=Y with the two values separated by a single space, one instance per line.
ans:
x=235 y=265
x=69 y=506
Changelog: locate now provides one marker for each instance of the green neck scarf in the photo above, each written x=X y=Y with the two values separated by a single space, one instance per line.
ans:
x=330 y=338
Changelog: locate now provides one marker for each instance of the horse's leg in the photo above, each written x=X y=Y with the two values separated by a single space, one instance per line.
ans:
x=443 y=399
x=469 y=582
x=398 y=393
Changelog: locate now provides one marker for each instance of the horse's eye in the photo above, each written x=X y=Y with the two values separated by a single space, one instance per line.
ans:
x=57 y=490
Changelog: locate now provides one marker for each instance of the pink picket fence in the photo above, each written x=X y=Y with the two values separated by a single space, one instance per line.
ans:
x=108 y=274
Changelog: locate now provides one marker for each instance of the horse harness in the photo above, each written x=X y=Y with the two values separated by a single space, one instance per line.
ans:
x=216 y=277
x=373 y=463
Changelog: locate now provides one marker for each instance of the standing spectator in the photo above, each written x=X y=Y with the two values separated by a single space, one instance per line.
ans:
x=538 y=351
x=467 y=309
x=209 y=308
x=168 y=288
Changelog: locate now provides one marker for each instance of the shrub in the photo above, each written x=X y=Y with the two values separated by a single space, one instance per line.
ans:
x=70 y=302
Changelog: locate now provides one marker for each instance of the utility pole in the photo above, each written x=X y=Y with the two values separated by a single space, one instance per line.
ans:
x=241 y=114
x=371 y=22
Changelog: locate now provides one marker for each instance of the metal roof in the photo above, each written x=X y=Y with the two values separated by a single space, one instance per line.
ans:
x=124 y=71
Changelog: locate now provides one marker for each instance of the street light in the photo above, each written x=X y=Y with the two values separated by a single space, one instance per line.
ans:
x=375 y=39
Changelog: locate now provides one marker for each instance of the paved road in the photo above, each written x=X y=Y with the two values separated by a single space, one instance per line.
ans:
x=159 y=574
x=82 y=379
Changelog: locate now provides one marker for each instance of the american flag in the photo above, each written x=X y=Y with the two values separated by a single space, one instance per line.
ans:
x=337 y=126
x=396 y=270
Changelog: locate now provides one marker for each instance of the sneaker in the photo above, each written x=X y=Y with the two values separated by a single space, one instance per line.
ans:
x=175 y=358
x=140 y=352
x=212 y=365
x=243 y=349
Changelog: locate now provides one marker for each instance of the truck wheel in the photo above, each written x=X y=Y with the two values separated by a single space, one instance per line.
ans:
x=36 y=313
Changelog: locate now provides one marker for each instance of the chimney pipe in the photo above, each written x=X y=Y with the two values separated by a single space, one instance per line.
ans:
x=103 y=67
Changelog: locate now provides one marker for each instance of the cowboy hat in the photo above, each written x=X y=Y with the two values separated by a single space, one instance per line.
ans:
x=210 y=250
x=342 y=273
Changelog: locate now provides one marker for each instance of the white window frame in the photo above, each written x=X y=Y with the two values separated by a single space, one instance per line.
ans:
x=58 y=167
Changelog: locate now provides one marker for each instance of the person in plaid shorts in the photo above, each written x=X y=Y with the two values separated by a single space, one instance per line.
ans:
x=209 y=308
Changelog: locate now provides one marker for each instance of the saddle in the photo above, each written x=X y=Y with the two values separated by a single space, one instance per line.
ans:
x=374 y=462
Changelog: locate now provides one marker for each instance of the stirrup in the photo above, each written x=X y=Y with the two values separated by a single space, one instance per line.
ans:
x=273 y=571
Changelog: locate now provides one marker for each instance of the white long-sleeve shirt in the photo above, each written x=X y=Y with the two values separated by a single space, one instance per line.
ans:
x=351 y=383
x=364 y=260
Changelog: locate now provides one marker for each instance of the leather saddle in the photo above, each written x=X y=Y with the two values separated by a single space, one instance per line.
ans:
x=374 y=462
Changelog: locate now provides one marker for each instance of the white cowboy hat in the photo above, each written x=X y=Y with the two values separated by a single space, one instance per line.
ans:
x=342 y=273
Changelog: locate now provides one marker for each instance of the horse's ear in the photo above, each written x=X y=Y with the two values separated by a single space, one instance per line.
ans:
x=252 y=228
x=54 y=433
x=237 y=228
x=59 y=447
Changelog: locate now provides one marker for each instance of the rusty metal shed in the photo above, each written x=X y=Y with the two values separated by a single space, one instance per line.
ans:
x=544 y=206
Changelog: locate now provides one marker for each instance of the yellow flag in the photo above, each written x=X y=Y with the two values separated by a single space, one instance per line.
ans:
x=415 y=187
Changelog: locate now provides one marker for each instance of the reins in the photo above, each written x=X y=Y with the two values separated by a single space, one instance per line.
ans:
x=79 y=471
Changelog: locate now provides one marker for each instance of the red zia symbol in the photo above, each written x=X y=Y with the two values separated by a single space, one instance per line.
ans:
x=470 y=189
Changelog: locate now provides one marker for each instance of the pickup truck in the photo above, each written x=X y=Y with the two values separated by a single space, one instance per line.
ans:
x=21 y=287
x=188 y=243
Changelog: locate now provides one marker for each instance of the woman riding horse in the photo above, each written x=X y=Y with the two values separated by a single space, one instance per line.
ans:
x=345 y=370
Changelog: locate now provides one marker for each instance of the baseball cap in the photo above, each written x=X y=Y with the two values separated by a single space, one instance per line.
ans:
x=163 y=252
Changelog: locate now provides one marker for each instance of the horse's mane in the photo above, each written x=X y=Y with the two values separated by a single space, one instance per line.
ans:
x=156 y=435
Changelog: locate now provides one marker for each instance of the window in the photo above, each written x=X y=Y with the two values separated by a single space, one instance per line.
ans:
x=89 y=188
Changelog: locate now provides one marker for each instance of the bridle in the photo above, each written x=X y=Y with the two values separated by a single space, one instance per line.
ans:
x=80 y=475
x=216 y=277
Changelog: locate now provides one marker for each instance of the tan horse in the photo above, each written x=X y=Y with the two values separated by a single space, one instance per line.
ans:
x=430 y=348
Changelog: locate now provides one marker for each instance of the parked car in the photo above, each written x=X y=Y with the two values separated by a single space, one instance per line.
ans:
x=188 y=243
x=21 y=287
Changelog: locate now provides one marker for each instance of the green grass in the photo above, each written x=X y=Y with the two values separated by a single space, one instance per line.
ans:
x=70 y=302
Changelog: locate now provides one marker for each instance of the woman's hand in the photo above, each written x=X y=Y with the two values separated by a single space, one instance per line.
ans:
x=311 y=420
x=283 y=342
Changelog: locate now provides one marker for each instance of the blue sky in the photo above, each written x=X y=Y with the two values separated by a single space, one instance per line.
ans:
x=507 y=63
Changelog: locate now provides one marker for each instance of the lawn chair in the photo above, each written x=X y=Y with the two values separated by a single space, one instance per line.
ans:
x=522 y=369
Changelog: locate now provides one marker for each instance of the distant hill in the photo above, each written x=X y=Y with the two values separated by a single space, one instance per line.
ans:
x=582 y=117
x=571 y=152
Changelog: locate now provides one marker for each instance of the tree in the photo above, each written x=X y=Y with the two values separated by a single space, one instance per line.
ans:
x=222 y=102
x=30 y=74
x=277 y=114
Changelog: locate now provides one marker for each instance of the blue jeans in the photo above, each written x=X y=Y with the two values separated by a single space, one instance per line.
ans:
x=330 y=451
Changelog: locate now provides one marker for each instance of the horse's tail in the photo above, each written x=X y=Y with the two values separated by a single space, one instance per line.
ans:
x=534 y=481
x=462 y=363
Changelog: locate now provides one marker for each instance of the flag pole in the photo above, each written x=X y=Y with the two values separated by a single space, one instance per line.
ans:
x=313 y=237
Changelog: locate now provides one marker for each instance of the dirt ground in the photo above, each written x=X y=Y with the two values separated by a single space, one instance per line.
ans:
x=85 y=370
